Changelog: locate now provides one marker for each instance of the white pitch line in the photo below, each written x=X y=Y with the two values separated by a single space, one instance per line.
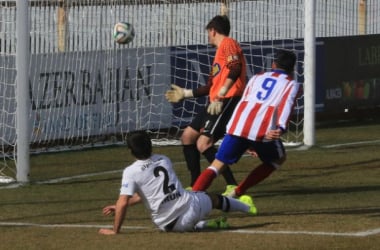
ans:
x=242 y=231
x=351 y=143
x=78 y=177
x=27 y=224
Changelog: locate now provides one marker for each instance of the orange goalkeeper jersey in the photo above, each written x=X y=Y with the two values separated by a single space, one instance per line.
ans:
x=229 y=52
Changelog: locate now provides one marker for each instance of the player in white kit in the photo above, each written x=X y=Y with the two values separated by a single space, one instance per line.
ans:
x=152 y=180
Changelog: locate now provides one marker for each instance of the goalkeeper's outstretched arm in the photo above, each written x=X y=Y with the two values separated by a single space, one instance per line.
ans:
x=176 y=93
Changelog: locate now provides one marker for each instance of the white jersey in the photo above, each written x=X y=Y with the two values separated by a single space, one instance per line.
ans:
x=156 y=182
x=266 y=104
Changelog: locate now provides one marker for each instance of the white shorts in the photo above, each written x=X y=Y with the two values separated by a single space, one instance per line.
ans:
x=199 y=207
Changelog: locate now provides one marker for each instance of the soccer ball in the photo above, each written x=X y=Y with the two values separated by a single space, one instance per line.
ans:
x=123 y=32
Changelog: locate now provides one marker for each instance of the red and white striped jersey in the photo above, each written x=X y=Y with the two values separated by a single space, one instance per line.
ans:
x=266 y=104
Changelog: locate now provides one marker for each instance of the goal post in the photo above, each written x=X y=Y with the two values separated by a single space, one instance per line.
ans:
x=22 y=92
x=309 y=68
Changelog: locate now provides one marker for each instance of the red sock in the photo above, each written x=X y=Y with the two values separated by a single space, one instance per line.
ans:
x=256 y=176
x=204 y=180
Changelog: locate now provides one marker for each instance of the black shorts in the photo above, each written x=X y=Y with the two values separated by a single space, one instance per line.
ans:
x=214 y=126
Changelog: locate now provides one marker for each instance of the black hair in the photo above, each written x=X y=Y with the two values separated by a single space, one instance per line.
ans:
x=285 y=60
x=140 y=144
x=220 y=24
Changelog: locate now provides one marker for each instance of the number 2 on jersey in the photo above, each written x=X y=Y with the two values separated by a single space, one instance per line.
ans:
x=166 y=187
x=267 y=87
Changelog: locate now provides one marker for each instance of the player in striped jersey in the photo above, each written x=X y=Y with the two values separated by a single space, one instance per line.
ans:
x=151 y=179
x=258 y=121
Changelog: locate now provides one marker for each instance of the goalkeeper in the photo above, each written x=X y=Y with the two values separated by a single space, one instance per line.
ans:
x=225 y=86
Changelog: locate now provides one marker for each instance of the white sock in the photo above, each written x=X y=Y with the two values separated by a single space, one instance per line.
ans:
x=235 y=205
x=216 y=171
x=200 y=225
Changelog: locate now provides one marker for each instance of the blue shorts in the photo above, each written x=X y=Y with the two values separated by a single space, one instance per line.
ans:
x=233 y=147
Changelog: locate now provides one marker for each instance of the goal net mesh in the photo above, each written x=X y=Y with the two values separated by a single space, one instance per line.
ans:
x=87 y=91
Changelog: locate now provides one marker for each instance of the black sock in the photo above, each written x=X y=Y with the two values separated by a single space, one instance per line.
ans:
x=228 y=176
x=210 y=154
x=224 y=203
x=192 y=157
x=227 y=173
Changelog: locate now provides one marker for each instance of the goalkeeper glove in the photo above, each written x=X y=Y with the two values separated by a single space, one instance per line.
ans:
x=216 y=106
x=177 y=93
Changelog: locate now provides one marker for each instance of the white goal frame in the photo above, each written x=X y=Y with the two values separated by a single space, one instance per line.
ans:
x=23 y=103
x=22 y=93
x=26 y=49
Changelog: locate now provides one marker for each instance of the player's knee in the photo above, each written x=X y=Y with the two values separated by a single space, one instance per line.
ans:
x=189 y=136
x=204 y=143
x=185 y=139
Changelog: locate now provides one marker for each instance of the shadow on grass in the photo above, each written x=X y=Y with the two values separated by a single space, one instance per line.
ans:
x=370 y=211
x=72 y=216
x=319 y=190
x=252 y=226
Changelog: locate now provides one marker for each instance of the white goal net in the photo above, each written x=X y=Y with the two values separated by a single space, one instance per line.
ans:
x=87 y=91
